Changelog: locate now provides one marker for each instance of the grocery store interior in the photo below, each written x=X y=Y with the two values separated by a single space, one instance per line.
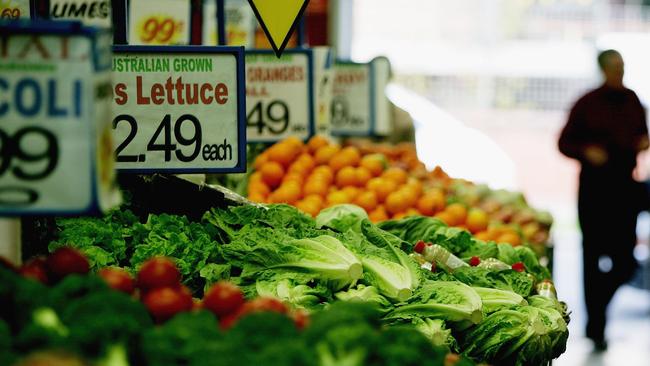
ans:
x=466 y=117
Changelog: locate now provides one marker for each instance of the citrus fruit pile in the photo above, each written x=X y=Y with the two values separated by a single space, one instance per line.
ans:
x=389 y=182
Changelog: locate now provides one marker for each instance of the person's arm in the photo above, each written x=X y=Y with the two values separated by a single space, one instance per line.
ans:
x=574 y=139
x=641 y=141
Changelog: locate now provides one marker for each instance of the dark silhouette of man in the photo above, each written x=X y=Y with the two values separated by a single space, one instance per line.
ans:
x=605 y=132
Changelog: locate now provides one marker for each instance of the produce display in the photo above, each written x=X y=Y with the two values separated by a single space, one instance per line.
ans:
x=491 y=302
x=389 y=182
x=64 y=316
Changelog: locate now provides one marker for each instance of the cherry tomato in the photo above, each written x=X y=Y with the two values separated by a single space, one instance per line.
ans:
x=223 y=298
x=474 y=261
x=301 y=319
x=264 y=304
x=35 y=269
x=158 y=272
x=65 y=261
x=165 y=302
x=419 y=246
x=118 y=279
x=519 y=267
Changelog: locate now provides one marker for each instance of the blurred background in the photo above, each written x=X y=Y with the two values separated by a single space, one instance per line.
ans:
x=489 y=84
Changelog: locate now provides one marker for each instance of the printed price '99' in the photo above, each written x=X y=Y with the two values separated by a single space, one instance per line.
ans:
x=160 y=30
x=10 y=13
x=16 y=154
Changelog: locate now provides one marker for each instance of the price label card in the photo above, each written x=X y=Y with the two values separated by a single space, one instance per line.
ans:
x=279 y=95
x=383 y=112
x=179 y=109
x=14 y=9
x=159 y=22
x=323 y=87
x=55 y=139
x=89 y=12
x=352 y=107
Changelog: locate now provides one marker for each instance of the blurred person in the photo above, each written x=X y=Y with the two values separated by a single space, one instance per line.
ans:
x=605 y=132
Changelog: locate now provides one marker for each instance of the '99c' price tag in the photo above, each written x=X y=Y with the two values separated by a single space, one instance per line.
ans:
x=179 y=109
x=55 y=145
x=159 y=22
x=279 y=95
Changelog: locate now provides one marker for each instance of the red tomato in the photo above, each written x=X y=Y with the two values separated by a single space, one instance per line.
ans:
x=301 y=319
x=474 y=261
x=519 y=267
x=165 y=302
x=223 y=298
x=419 y=246
x=35 y=269
x=158 y=272
x=264 y=304
x=118 y=279
x=65 y=261
x=226 y=322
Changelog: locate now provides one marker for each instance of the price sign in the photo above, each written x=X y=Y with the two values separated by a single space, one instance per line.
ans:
x=352 y=107
x=383 y=113
x=210 y=33
x=55 y=141
x=323 y=87
x=179 y=109
x=14 y=9
x=159 y=22
x=279 y=95
x=90 y=12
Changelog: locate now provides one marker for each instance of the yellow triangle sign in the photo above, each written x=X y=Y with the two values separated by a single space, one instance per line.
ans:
x=278 y=19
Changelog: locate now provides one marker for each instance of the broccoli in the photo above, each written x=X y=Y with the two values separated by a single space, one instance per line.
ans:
x=75 y=287
x=106 y=325
x=180 y=340
x=405 y=346
x=6 y=356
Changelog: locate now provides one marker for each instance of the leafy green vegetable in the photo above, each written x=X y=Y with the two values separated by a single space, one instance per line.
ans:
x=528 y=257
x=299 y=290
x=436 y=331
x=508 y=280
x=507 y=253
x=324 y=257
x=404 y=346
x=213 y=272
x=365 y=294
x=342 y=217
x=494 y=299
x=451 y=301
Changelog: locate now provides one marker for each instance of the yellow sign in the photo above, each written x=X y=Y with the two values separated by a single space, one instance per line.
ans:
x=278 y=18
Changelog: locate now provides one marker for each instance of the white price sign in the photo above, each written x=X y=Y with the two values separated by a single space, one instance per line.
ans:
x=323 y=87
x=352 y=108
x=383 y=112
x=179 y=109
x=89 y=12
x=279 y=95
x=14 y=9
x=159 y=22
x=55 y=141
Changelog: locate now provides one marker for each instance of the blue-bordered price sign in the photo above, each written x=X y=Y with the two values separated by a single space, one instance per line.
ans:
x=279 y=95
x=55 y=138
x=352 y=110
x=179 y=109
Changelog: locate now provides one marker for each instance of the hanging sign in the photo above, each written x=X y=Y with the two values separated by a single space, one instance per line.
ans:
x=352 y=107
x=14 y=9
x=179 y=109
x=55 y=139
x=159 y=22
x=278 y=19
x=89 y=12
x=279 y=95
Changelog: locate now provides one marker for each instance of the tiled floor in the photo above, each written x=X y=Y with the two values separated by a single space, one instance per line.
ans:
x=628 y=329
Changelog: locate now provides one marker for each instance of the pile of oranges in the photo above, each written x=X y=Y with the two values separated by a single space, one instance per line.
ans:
x=321 y=174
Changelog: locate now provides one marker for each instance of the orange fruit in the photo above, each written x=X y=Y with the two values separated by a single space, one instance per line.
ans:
x=458 y=211
x=307 y=161
x=337 y=197
x=272 y=173
x=416 y=186
x=308 y=207
x=483 y=235
x=386 y=187
x=293 y=141
x=349 y=156
x=374 y=184
x=256 y=197
x=294 y=177
x=477 y=220
x=323 y=172
x=397 y=175
x=260 y=160
x=256 y=177
x=399 y=216
x=363 y=175
x=396 y=202
x=410 y=196
x=316 y=187
x=284 y=153
x=346 y=177
x=427 y=204
x=258 y=188
x=316 y=143
x=413 y=212
x=288 y=192
x=374 y=163
x=445 y=217
x=317 y=199
x=366 y=200
x=438 y=198
x=325 y=154
x=509 y=237
x=378 y=214
x=352 y=192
